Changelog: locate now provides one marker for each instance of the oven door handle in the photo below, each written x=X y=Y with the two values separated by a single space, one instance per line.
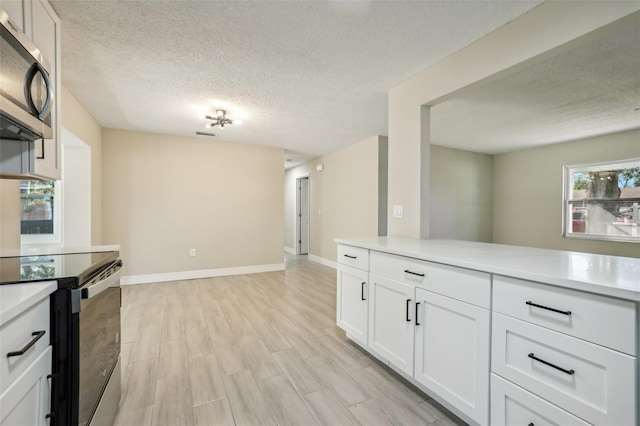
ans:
x=112 y=280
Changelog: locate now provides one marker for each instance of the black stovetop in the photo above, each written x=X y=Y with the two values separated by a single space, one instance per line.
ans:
x=53 y=267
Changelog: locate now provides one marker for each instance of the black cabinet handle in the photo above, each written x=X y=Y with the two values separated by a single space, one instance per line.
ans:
x=406 y=271
x=350 y=257
x=530 y=303
x=569 y=372
x=362 y=293
x=50 y=415
x=408 y=302
x=42 y=145
x=38 y=335
x=417 y=303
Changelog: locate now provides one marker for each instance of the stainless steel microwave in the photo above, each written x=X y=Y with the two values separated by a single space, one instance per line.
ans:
x=26 y=93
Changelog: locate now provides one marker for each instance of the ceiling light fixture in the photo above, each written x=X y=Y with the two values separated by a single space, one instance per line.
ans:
x=220 y=119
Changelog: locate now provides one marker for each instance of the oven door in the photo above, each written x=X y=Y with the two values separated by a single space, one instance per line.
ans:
x=99 y=340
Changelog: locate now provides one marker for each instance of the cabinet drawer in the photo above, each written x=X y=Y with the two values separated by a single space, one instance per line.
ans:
x=353 y=256
x=598 y=319
x=512 y=405
x=590 y=381
x=28 y=399
x=462 y=284
x=16 y=334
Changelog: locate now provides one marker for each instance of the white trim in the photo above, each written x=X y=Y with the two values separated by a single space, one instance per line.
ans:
x=205 y=273
x=289 y=250
x=323 y=261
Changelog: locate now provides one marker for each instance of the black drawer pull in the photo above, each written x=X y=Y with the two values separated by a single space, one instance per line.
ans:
x=362 y=294
x=33 y=341
x=408 y=302
x=406 y=271
x=530 y=303
x=569 y=372
x=417 y=303
x=350 y=257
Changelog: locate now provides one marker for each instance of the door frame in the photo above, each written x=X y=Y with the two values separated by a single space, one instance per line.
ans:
x=297 y=221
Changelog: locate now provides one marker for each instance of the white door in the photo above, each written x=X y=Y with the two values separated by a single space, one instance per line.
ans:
x=452 y=352
x=352 y=302
x=302 y=230
x=391 y=316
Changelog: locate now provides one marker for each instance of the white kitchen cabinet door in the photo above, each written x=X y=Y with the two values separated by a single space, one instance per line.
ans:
x=391 y=318
x=452 y=352
x=352 y=303
x=14 y=9
x=27 y=401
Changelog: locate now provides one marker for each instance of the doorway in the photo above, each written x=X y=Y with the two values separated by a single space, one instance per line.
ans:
x=302 y=215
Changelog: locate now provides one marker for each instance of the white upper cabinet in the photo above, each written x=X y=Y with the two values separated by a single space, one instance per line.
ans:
x=45 y=34
x=38 y=21
x=14 y=9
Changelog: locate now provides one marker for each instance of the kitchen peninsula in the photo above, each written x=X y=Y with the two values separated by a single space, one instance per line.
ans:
x=498 y=334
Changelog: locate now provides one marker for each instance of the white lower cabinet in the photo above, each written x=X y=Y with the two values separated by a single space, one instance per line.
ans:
x=27 y=401
x=495 y=350
x=590 y=381
x=452 y=352
x=352 y=305
x=512 y=405
x=391 y=330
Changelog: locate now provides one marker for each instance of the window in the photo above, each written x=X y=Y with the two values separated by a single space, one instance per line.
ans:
x=602 y=201
x=40 y=209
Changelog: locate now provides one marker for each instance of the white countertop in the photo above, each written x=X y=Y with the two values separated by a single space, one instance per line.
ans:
x=45 y=250
x=16 y=298
x=607 y=275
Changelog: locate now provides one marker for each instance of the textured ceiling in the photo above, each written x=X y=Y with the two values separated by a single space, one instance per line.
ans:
x=589 y=87
x=308 y=76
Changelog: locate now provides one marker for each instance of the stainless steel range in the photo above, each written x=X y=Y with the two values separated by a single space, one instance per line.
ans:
x=85 y=332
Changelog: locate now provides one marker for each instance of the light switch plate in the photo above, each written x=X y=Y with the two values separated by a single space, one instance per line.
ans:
x=398 y=211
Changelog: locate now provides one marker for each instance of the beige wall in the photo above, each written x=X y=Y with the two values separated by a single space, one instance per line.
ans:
x=163 y=195
x=343 y=198
x=509 y=46
x=9 y=214
x=461 y=194
x=78 y=121
x=531 y=215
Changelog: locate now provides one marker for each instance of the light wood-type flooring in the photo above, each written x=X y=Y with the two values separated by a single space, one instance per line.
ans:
x=259 y=349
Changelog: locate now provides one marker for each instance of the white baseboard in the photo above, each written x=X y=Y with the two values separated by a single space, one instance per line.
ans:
x=206 y=273
x=323 y=261
x=290 y=250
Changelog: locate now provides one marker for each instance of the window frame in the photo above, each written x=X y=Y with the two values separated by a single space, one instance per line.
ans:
x=567 y=209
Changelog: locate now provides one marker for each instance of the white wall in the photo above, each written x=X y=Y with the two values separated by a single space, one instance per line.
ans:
x=163 y=195
x=527 y=189
x=509 y=46
x=77 y=121
x=344 y=198
x=461 y=201
x=76 y=191
x=9 y=214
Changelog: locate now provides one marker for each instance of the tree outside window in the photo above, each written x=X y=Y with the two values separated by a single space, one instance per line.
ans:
x=37 y=199
x=602 y=201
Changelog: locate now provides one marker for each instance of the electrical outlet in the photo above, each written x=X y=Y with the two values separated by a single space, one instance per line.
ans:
x=192 y=252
